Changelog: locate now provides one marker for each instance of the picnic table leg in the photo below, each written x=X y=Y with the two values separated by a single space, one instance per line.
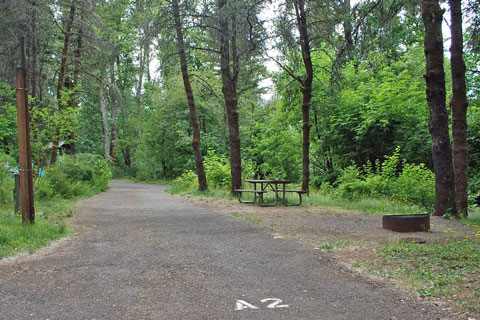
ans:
x=263 y=204
x=296 y=204
x=254 y=199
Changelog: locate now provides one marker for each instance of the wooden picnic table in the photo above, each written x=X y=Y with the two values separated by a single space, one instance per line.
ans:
x=277 y=186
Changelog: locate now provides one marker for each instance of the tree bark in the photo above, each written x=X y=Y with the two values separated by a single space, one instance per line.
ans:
x=125 y=149
x=103 y=111
x=459 y=105
x=306 y=89
x=113 y=140
x=229 y=84
x=347 y=29
x=73 y=98
x=202 y=178
x=34 y=49
x=114 y=130
x=144 y=53
x=432 y=16
x=61 y=75
x=72 y=102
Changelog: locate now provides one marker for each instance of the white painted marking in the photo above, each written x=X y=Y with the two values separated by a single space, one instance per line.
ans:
x=275 y=304
x=242 y=305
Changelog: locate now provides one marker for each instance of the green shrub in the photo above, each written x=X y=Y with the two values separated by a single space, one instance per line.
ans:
x=6 y=179
x=86 y=174
x=349 y=183
x=474 y=190
x=394 y=179
x=415 y=184
x=102 y=172
x=217 y=169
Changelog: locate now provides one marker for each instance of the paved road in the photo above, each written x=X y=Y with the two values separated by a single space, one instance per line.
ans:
x=142 y=254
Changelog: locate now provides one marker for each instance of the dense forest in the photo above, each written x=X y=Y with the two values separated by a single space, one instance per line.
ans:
x=332 y=94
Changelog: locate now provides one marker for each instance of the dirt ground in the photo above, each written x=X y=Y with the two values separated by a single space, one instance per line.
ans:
x=322 y=226
x=350 y=237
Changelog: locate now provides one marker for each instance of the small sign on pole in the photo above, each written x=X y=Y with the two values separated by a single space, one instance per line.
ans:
x=24 y=151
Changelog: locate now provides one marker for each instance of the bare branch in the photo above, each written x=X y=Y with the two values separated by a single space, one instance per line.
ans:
x=287 y=70
x=206 y=84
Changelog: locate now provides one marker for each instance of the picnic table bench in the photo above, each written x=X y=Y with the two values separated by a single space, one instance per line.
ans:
x=256 y=193
x=277 y=186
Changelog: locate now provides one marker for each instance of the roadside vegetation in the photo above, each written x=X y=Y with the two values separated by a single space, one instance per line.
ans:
x=447 y=269
x=55 y=194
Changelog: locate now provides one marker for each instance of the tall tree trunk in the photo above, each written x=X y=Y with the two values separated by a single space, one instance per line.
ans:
x=61 y=75
x=103 y=111
x=119 y=100
x=306 y=89
x=33 y=47
x=114 y=131
x=125 y=149
x=459 y=105
x=41 y=87
x=347 y=29
x=138 y=94
x=73 y=97
x=34 y=83
x=435 y=88
x=144 y=53
x=229 y=84
x=202 y=178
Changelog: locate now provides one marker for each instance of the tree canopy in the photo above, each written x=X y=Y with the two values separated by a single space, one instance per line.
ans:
x=346 y=88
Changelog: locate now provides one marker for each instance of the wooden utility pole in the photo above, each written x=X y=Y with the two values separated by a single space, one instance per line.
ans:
x=24 y=151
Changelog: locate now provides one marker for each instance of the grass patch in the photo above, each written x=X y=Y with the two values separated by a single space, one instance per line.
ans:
x=246 y=218
x=49 y=225
x=365 y=204
x=472 y=221
x=445 y=270
x=330 y=246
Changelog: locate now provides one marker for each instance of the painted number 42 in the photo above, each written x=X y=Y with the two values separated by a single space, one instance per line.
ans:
x=273 y=303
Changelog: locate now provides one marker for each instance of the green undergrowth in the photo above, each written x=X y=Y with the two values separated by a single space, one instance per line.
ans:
x=450 y=269
x=50 y=225
x=56 y=191
x=475 y=220
x=70 y=177
x=367 y=205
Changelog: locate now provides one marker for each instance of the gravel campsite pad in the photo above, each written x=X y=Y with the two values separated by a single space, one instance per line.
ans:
x=351 y=239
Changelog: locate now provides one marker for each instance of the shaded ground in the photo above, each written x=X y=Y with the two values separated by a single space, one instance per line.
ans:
x=142 y=254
